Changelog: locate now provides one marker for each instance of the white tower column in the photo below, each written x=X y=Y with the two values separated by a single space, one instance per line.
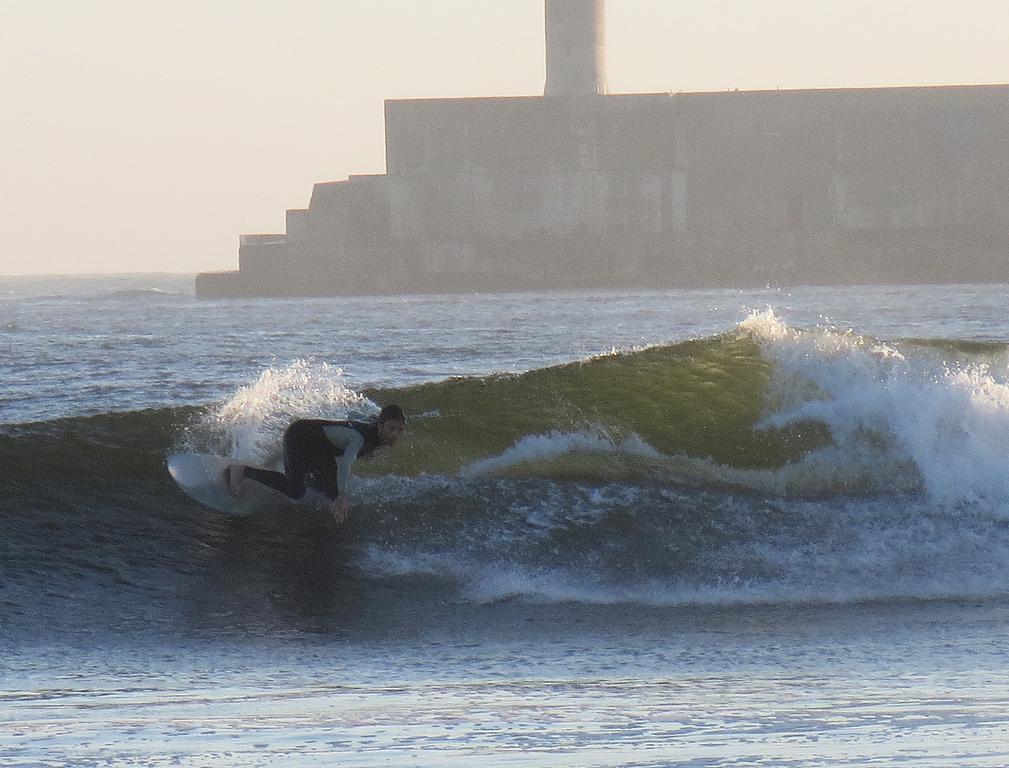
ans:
x=576 y=47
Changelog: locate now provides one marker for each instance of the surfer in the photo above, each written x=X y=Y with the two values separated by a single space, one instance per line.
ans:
x=319 y=453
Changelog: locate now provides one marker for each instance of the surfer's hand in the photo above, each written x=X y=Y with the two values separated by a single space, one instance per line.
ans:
x=340 y=509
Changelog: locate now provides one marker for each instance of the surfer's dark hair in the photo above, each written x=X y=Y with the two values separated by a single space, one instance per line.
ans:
x=391 y=413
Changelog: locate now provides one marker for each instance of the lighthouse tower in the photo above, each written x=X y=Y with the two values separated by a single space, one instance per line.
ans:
x=576 y=47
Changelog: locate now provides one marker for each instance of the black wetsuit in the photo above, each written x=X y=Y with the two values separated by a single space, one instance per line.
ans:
x=318 y=454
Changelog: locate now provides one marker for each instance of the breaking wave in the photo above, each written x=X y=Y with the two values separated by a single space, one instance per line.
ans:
x=769 y=464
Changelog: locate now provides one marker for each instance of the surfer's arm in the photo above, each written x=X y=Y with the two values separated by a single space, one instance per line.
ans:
x=350 y=441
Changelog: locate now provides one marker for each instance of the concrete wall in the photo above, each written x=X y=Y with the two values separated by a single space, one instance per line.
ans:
x=732 y=188
x=485 y=168
x=220 y=285
x=349 y=222
x=886 y=159
x=799 y=186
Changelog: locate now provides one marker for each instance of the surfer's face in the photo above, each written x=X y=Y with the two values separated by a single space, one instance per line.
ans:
x=391 y=431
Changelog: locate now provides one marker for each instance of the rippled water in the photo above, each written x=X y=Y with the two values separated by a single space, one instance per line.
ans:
x=561 y=687
x=88 y=345
x=139 y=629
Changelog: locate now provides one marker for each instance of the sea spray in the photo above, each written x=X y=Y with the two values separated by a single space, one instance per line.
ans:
x=250 y=425
x=902 y=411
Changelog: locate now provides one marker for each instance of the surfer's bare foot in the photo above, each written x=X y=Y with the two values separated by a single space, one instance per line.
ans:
x=233 y=478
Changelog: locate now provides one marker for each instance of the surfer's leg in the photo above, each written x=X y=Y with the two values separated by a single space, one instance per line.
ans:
x=287 y=482
x=276 y=480
x=306 y=455
x=302 y=443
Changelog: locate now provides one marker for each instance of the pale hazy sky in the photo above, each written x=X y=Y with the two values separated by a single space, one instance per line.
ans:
x=146 y=135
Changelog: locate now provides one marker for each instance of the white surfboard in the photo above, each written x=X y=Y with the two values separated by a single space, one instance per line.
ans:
x=202 y=477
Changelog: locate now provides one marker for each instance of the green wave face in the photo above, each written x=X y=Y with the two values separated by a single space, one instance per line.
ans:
x=764 y=408
x=699 y=399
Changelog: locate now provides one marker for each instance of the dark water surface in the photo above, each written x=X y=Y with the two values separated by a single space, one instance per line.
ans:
x=765 y=528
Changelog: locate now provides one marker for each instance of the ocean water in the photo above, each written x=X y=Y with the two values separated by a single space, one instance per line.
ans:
x=677 y=528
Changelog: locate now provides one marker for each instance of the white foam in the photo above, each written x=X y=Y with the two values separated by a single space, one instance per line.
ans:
x=895 y=405
x=832 y=553
x=251 y=424
x=553 y=445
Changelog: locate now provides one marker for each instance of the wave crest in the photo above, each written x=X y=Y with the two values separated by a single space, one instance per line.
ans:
x=250 y=425
x=903 y=406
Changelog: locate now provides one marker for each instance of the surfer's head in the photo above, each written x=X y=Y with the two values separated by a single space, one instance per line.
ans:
x=391 y=424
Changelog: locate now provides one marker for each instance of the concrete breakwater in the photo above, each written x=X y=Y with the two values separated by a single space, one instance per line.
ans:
x=581 y=189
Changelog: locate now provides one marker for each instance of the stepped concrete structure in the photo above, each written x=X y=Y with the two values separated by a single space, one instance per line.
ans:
x=583 y=189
